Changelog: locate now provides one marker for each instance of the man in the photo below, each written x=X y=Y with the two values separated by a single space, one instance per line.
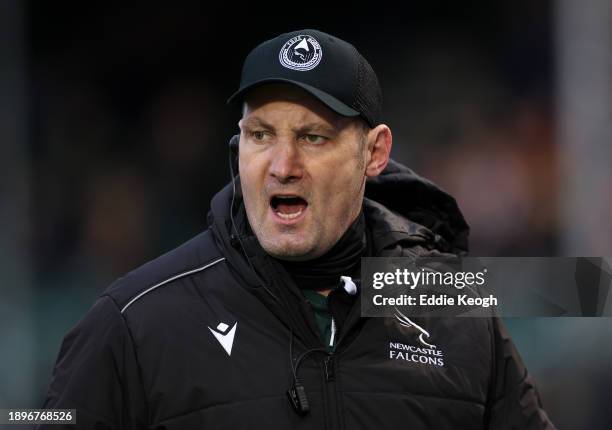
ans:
x=255 y=323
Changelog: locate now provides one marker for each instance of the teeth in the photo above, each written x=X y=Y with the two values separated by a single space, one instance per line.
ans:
x=290 y=216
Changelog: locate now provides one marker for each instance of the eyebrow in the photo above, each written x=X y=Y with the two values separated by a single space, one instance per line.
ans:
x=315 y=127
x=303 y=129
x=256 y=121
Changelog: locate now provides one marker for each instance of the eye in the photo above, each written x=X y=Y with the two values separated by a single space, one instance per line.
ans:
x=315 y=139
x=258 y=135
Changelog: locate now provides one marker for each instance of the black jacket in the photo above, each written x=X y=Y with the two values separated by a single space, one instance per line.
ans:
x=194 y=339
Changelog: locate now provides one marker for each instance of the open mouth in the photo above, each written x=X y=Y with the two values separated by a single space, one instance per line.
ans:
x=288 y=207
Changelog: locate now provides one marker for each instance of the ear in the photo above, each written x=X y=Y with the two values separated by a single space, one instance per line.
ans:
x=379 y=149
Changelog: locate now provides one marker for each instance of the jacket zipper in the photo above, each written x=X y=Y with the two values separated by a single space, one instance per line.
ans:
x=332 y=336
x=331 y=400
x=329 y=362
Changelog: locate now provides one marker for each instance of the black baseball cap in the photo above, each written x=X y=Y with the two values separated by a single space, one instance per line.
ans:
x=328 y=68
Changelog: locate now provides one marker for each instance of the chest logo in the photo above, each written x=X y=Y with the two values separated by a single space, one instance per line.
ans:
x=225 y=335
x=423 y=352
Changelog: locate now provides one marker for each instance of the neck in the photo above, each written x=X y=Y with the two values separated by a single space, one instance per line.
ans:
x=323 y=273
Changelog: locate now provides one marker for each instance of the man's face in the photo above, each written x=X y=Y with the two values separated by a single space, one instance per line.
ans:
x=302 y=171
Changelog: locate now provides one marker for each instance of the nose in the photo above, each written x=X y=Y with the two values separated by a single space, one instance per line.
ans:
x=286 y=165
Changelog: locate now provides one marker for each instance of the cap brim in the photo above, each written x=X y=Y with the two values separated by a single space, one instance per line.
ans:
x=328 y=100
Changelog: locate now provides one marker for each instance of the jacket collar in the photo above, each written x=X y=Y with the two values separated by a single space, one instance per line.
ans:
x=399 y=206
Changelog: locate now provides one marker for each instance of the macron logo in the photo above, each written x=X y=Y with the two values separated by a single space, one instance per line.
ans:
x=225 y=336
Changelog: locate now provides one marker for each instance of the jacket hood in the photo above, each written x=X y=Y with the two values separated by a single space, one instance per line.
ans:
x=398 y=204
x=416 y=202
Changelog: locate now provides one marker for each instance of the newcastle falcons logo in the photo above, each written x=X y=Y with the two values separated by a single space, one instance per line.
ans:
x=423 y=353
x=301 y=53
x=407 y=322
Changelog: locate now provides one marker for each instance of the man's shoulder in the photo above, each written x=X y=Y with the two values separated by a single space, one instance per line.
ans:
x=193 y=256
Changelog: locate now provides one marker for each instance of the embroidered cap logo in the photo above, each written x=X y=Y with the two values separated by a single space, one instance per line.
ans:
x=301 y=53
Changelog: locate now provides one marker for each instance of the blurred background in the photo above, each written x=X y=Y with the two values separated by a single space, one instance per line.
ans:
x=114 y=131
